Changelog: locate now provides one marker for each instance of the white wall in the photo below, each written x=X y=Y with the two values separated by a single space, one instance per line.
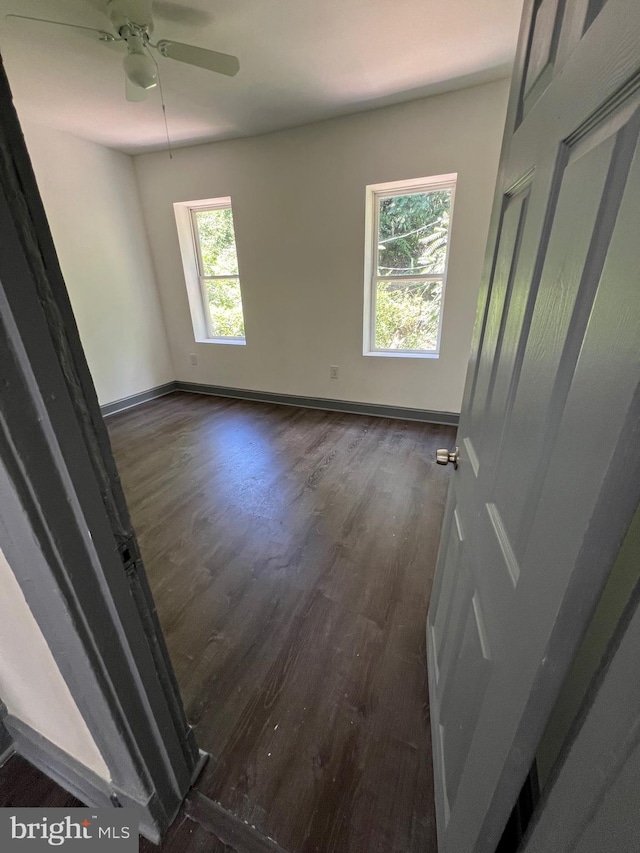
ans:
x=93 y=207
x=298 y=203
x=31 y=685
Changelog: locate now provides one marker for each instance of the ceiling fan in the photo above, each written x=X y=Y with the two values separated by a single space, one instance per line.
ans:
x=133 y=24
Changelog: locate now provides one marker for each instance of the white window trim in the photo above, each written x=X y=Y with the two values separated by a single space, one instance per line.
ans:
x=190 y=251
x=374 y=192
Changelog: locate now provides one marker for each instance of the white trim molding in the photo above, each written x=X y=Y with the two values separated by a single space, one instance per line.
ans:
x=194 y=275
x=374 y=193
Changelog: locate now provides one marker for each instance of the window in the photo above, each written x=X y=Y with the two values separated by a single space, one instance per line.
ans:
x=217 y=259
x=210 y=261
x=408 y=224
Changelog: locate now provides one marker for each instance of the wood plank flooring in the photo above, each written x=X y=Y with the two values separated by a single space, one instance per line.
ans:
x=291 y=553
x=23 y=786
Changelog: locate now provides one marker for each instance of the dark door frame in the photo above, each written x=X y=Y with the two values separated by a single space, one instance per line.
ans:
x=66 y=531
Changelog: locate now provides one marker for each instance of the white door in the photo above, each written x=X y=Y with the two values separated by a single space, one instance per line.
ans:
x=549 y=466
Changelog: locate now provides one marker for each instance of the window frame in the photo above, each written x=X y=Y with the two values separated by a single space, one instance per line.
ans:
x=191 y=256
x=213 y=204
x=374 y=193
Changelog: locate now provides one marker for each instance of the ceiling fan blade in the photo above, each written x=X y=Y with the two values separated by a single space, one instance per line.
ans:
x=134 y=93
x=104 y=35
x=222 y=63
x=179 y=14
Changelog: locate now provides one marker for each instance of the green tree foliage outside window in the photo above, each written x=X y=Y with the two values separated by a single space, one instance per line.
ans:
x=413 y=233
x=219 y=259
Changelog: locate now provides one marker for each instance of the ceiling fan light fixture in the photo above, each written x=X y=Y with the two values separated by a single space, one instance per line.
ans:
x=141 y=70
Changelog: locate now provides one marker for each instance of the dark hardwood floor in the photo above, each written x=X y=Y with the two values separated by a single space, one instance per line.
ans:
x=291 y=554
x=23 y=786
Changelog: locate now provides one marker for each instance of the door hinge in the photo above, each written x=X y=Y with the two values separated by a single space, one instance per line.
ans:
x=129 y=553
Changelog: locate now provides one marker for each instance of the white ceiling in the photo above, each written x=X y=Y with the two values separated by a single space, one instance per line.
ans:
x=300 y=61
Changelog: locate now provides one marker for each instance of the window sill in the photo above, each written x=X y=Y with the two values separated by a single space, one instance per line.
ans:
x=396 y=354
x=232 y=341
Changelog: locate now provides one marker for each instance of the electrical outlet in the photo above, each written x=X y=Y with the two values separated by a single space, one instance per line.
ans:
x=333 y=371
x=194 y=358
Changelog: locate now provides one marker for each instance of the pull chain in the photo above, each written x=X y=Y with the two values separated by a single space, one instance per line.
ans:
x=164 y=108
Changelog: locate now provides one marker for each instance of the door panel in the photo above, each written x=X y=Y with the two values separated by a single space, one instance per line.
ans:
x=439 y=629
x=541 y=186
x=455 y=608
x=580 y=231
x=549 y=406
x=593 y=10
x=464 y=696
x=542 y=38
x=542 y=50
x=492 y=336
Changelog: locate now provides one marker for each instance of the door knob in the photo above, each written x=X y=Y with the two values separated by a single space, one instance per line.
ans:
x=444 y=456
